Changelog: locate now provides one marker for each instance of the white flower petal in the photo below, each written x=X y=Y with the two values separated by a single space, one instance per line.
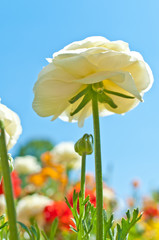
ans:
x=85 y=62
x=11 y=124
x=109 y=60
x=122 y=79
x=48 y=100
x=26 y=165
x=89 y=42
x=142 y=74
x=65 y=154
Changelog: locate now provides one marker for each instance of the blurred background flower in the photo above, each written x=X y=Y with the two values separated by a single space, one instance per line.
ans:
x=12 y=125
x=65 y=154
x=26 y=165
x=31 y=208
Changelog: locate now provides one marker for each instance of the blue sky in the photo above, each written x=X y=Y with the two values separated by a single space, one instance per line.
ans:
x=33 y=30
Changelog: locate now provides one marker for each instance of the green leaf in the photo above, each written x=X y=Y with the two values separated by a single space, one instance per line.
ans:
x=74 y=210
x=108 y=225
x=118 y=94
x=84 y=226
x=37 y=230
x=68 y=204
x=25 y=228
x=73 y=229
x=75 y=197
x=127 y=224
x=4 y=225
x=79 y=95
x=128 y=215
x=83 y=103
x=33 y=230
x=54 y=228
x=86 y=200
x=103 y=98
x=44 y=235
x=2 y=217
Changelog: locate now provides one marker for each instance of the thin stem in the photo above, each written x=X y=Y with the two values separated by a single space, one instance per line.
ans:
x=7 y=185
x=98 y=169
x=82 y=207
x=83 y=171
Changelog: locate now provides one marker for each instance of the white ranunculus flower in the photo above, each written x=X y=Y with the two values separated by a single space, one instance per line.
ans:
x=26 y=165
x=108 y=194
x=32 y=206
x=65 y=154
x=86 y=62
x=11 y=124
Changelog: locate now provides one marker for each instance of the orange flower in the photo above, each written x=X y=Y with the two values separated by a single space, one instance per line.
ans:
x=47 y=158
x=56 y=173
x=130 y=202
x=136 y=183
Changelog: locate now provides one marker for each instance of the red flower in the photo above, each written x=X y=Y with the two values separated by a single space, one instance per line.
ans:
x=16 y=182
x=61 y=210
x=151 y=212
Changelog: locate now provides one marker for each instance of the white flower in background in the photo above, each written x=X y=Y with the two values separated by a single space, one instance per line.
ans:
x=32 y=206
x=83 y=63
x=108 y=194
x=26 y=165
x=2 y=204
x=11 y=124
x=65 y=154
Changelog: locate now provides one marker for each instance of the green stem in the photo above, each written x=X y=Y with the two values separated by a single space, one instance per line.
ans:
x=83 y=170
x=7 y=185
x=98 y=169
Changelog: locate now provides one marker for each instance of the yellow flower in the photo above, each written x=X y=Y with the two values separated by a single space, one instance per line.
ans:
x=11 y=124
x=124 y=75
x=151 y=230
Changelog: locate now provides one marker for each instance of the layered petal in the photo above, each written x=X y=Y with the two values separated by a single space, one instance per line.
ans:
x=88 y=62
x=97 y=41
x=122 y=79
x=142 y=75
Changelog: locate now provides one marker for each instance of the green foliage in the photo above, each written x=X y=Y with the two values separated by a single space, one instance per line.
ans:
x=35 y=148
x=85 y=219
x=54 y=229
x=3 y=227
x=108 y=223
x=120 y=231
x=127 y=224
x=33 y=232
x=112 y=231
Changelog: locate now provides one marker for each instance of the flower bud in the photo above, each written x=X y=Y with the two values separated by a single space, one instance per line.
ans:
x=84 y=145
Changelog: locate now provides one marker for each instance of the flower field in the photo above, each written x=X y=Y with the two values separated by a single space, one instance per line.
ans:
x=39 y=188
